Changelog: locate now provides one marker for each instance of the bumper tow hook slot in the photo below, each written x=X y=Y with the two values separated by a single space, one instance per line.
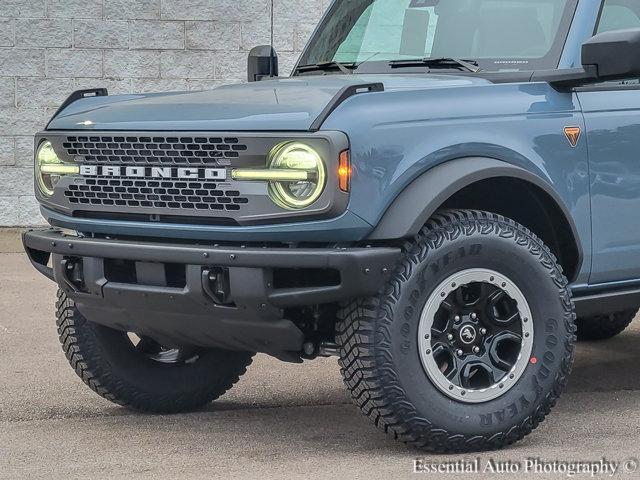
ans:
x=215 y=283
x=72 y=274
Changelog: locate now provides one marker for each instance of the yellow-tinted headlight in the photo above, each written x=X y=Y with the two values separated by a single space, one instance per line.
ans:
x=49 y=168
x=296 y=193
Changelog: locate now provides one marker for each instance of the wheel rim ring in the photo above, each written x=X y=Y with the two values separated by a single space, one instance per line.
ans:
x=427 y=317
x=164 y=355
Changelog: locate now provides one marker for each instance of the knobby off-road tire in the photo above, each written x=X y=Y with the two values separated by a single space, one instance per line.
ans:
x=378 y=337
x=107 y=361
x=603 y=327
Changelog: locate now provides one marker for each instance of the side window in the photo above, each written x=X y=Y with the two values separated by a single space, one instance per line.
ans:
x=618 y=15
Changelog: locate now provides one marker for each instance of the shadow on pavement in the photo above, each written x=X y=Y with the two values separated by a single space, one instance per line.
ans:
x=608 y=365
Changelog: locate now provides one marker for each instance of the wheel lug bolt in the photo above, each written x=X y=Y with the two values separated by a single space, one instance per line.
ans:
x=459 y=353
x=474 y=316
x=450 y=337
x=476 y=349
x=483 y=331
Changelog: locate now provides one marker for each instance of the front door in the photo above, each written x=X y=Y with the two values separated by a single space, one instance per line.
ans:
x=612 y=117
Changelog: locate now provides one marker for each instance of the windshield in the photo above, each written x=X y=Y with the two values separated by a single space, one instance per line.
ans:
x=498 y=34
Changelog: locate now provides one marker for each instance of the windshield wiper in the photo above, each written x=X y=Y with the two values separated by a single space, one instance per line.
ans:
x=469 y=65
x=346 y=68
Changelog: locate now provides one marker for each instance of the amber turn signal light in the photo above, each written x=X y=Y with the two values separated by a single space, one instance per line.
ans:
x=344 y=171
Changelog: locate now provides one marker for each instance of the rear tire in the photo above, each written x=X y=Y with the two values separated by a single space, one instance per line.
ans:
x=160 y=381
x=384 y=357
x=603 y=327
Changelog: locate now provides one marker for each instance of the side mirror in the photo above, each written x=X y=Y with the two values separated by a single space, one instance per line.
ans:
x=615 y=54
x=263 y=62
x=607 y=56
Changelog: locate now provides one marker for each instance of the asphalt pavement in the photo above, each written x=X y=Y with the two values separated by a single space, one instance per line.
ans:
x=279 y=421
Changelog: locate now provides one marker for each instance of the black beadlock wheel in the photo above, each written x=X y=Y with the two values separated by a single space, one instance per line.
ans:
x=603 y=327
x=138 y=372
x=470 y=343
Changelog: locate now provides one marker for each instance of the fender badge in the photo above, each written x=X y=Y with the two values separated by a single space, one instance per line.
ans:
x=573 y=135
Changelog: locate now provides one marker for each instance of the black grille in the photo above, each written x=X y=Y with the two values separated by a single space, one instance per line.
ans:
x=189 y=150
x=153 y=193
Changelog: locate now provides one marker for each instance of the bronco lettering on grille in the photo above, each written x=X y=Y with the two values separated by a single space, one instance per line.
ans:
x=154 y=172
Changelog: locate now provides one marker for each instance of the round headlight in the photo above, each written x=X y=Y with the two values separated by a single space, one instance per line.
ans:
x=297 y=193
x=49 y=168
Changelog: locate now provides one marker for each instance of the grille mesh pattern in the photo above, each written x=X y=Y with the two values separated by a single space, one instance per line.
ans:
x=150 y=193
x=154 y=150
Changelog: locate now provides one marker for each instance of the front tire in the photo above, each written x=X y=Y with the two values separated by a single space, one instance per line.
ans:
x=382 y=339
x=138 y=373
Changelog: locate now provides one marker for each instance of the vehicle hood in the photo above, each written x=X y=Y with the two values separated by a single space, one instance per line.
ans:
x=288 y=104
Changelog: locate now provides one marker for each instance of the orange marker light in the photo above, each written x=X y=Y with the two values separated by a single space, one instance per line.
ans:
x=344 y=171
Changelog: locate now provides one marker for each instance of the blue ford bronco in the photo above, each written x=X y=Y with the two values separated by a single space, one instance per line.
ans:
x=434 y=195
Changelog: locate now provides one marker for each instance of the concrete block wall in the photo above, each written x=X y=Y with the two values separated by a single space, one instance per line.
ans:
x=48 y=48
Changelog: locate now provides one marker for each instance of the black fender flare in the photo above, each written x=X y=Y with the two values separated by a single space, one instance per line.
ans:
x=413 y=207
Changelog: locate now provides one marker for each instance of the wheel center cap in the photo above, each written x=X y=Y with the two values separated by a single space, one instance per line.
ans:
x=468 y=334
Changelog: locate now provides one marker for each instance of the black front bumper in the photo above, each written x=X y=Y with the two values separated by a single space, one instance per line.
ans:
x=245 y=310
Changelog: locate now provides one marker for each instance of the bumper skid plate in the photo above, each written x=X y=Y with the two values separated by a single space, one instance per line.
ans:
x=203 y=295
